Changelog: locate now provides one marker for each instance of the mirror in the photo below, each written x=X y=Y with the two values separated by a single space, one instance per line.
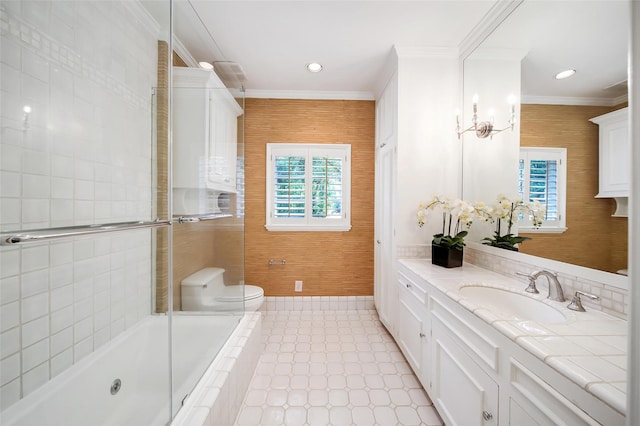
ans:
x=521 y=57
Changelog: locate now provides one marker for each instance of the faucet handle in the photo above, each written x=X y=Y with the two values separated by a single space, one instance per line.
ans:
x=576 y=303
x=531 y=288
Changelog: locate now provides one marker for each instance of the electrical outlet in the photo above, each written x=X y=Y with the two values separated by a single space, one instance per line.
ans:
x=298 y=286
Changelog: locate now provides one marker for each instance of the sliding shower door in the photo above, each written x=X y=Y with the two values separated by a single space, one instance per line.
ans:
x=207 y=191
x=79 y=212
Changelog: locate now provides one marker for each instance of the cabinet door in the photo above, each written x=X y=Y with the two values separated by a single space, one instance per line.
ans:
x=410 y=329
x=463 y=393
x=385 y=290
x=223 y=143
x=615 y=170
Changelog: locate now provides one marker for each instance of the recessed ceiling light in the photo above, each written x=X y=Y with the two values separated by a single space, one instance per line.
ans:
x=565 y=74
x=314 y=67
x=205 y=65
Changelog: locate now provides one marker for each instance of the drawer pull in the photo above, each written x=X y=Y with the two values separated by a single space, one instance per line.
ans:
x=487 y=415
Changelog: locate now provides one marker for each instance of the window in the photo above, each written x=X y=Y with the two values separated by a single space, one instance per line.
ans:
x=308 y=187
x=543 y=177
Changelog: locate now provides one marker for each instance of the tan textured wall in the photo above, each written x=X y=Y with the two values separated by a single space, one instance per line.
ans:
x=329 y=263
x=594 y=239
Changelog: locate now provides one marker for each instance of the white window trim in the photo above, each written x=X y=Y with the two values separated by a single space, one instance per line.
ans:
x=308 y=223
x=560 y=154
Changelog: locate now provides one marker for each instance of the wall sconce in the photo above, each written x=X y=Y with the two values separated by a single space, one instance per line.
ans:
x=485 y=129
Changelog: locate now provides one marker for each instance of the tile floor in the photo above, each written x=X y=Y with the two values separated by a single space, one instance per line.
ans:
x=332 y=368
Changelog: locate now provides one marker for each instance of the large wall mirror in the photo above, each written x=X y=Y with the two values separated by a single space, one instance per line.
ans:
x=521 y=58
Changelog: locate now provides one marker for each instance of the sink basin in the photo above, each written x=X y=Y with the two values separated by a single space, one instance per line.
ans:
x=513 y=305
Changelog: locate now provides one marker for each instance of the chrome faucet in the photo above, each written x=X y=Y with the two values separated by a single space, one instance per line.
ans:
x=555 y=290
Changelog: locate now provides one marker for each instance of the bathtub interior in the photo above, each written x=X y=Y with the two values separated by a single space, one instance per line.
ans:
x=83 y=396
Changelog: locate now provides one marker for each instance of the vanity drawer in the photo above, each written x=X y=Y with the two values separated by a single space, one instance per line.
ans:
x=536 y=399
x=414 y=286
x=473 y=340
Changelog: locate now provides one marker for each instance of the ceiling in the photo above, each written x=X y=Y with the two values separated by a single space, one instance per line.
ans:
x=588 y=36
x=272 y=41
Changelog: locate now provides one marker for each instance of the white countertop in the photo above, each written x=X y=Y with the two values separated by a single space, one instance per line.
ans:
x=590 y=348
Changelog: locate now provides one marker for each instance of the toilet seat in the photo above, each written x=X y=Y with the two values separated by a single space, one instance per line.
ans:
x=232 y=293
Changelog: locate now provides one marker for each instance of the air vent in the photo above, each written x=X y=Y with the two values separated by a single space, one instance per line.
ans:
x=231 y=73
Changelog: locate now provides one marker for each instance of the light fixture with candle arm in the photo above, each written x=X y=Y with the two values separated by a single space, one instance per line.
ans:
x=485 y=129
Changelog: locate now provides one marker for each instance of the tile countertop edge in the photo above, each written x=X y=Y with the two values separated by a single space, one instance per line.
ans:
x=579 y=324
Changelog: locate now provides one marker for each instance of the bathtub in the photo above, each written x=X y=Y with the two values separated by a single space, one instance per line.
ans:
x=138 y=358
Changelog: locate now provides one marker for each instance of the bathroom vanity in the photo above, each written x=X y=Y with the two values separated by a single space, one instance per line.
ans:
x=490 y=354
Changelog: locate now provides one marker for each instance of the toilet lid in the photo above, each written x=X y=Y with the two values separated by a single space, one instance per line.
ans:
x=233 y=293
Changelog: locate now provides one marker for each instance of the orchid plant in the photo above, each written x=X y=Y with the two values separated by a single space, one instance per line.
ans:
x=510 y=211
x=456 y=215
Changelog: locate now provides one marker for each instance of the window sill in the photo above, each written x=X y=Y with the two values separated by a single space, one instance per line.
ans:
x=305 y=228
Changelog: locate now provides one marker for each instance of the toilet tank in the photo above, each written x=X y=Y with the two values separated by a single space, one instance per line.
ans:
x=200 y=288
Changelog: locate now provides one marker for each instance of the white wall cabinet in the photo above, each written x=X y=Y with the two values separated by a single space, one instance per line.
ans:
x=205 y=135
x=615 y=157
x=475 y=375
x=385 y=289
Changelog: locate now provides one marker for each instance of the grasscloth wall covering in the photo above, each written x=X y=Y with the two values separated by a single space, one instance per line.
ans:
x=594 y=239
x=329 y=263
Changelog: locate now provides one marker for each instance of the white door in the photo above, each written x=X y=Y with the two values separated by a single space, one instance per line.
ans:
x=385 y=291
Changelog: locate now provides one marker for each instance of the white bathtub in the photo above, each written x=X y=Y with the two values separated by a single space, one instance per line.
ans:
x=139 y=358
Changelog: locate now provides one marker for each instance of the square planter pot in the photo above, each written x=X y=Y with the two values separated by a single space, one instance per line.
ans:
x=446 y=257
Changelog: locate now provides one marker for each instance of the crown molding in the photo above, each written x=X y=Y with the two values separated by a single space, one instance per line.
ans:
x=148 y=22
x=489 y=22
x=309 y=94
x=567 y=100
x=426 y=52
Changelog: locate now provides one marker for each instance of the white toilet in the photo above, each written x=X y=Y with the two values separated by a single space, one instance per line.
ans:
x=205 y=291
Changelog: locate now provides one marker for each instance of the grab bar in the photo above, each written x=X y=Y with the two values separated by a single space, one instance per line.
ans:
x=39 y=235
x=198 y=218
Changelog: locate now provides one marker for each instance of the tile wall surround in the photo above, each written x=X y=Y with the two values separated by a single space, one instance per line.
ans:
x=218 y=396
x=84 y=156
x=613 y=299
x=318 y=303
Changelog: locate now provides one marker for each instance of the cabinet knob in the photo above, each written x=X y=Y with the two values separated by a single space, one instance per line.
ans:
x=487 y=415
x=408 y=285
x=422 y=334
x=378 y=241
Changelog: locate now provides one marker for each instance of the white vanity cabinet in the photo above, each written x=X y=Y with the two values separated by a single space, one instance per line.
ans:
x=412 y=325
x=463 y=392
x=475 y=375
x=614 y=157
x=205 y=131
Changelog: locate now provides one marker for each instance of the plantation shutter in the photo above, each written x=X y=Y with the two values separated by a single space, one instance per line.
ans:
x=308 y=187
x=289 y=187
x=542 y=178
x=326 y=187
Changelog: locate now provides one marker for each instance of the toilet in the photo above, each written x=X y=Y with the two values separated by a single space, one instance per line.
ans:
x=205 y=291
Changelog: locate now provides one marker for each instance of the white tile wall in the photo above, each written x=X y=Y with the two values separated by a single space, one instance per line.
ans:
x=318 y=303
x=83 y=156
